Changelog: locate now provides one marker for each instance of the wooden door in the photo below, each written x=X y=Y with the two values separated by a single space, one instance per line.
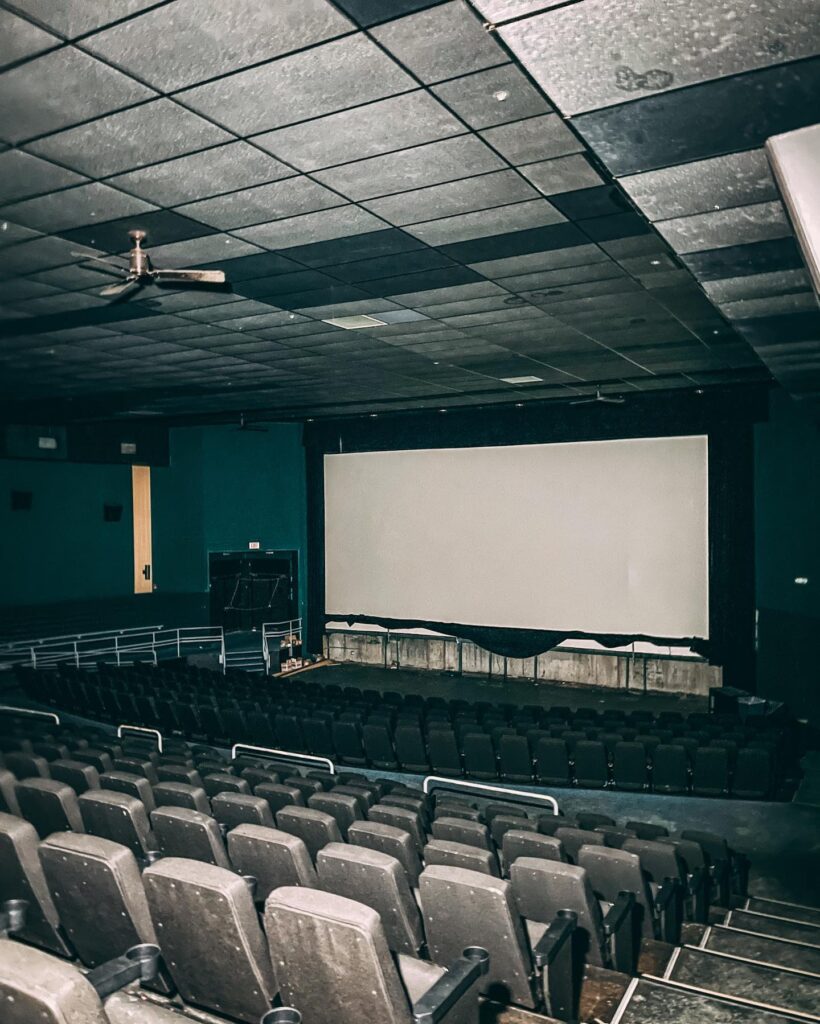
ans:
x=143 y=556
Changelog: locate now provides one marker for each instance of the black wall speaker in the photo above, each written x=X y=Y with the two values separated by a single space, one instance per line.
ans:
x=112 y=513
x=21 y=501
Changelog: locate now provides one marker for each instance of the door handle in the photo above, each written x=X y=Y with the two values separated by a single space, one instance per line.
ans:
x=146 y=572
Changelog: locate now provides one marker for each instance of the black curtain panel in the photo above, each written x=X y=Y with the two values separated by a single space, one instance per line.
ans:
x=727 y=418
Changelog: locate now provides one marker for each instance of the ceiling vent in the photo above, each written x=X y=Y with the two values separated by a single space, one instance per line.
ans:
x=522 y=380
x=354 y=323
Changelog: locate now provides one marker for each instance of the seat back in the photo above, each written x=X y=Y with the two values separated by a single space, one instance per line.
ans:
x=274 y=858
x=118 y=817
x=460 y=855
x=27 y=766
x=332 y=959
x=574 y=838
x=98 y=893
x=76 y=774
x=315 y=828
x=658 y=860
x=465 y=908
x=21 y=877
x=343 y=807
x=35 y=986
x=181 y=832
x=396 y=842
x=378 y=881
x=50 y=806
x=522 y=843
x=232 y=809
x=400 y=817
x=279 y=796
x=212 y=942
x=543 y=887
x=223 y=782
x=611 y=871
x=8 y=796
x=182 y=794
x=469 y=833
x=132 y=785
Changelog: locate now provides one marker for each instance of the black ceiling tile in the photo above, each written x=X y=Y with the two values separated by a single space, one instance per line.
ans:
x=263 y=264
x=774 y=330
x=358 y=247
x=722 y=116
x=602 y=201
x=411 y=262
x=162 y=227
x=331 y=295
x=516 y=243
x=23 y=174
x=447 y=277
x=619 y=225
x=739 y=260
x=284 y=284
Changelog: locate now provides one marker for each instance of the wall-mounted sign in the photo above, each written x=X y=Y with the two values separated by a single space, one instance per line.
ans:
x=253 y=545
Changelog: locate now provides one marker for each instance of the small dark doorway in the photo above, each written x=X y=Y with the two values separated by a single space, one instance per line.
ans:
x=249 y=588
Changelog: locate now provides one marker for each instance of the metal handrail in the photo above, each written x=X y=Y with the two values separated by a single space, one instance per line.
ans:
x=284 y=755
x=141 y=728
x=484 y=787
x=8 y=708
x=294 y=628
x=12 y=645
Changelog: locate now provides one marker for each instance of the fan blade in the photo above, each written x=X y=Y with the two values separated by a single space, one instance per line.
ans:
x=111 y=266
x=195 y=276
x=584 y=401
x=611 y=401
x=114 y=291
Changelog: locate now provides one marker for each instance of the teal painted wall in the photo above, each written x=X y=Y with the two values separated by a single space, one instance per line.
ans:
x=222 y=489
x=787 y=545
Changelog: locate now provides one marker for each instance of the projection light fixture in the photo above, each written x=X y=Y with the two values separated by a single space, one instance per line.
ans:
x=801 y=581
x=354 y=323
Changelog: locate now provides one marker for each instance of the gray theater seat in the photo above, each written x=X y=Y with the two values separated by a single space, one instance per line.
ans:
x=518 y=843
x=611 y=871
x=36 y=987
x=137 y=766
x=212 y=942
x=460 y=855
x=574 y=838
x=222 y=782
x=274 y=858
x=279 y=796
x=181 y=832
x=345 y=808
x=181 y=794
x=21 y=877
x=76 y=774
x=120 y=818
x=333 y=961
x=50 y=806
x=26 y=766
x=500 y=824
x=8 y=797
x=179 y=773
x=132 y=785
x=232 y=809
x=98 y=893
x=377 y=880
x=388 y=839
x=400 y=817
x=315 y=828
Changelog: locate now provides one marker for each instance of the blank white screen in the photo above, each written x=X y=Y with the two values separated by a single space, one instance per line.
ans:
x=597 y=536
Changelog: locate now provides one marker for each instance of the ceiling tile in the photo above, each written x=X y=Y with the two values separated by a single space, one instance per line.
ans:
x=737 y=179
x=262 y=203
x=493 y=97
x=370 y=12
x=447 y=230
x=445 y=277
x=584 y=203
x=494 y=189
x=392 y=265
x=410 y=119
x=752 y=286
x=161 y=227
x=537 y=138
x=143 y=135
x=311 y=227
x=210 y=248
x=769 y=305
x=441 y=42
x=224 y=168
x=736 y=226
x=619 y=225
x=37 y=254
x=22 y=174
x=579 y=255
x=516 y=243
x=195 y=40
x=386 y=242
x=283 y=284
x=20 y=39
x=705 y=120
x=598 y=53
x=549 y=279
x=412 y=168
x=342 y=73
x=497 y=11
x=85 y=204
x=76 y=17
x=562 y=174
x=737 y=260
x=59 y=89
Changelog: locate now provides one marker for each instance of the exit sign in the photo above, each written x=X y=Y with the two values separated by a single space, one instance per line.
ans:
x=254 y=545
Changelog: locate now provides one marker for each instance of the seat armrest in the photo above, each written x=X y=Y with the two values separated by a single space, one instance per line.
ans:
x=442 y=996
x=554 y=961
x=139 y=963
x=668 y=902
x=12 y=917
x=619 y=929
x=698 y=885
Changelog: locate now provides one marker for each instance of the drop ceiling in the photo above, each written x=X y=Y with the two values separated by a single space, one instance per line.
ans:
x=574 y=192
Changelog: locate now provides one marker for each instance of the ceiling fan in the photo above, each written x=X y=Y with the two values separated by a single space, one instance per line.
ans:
x=140 y=272
x=598 y=397
x=250 y=427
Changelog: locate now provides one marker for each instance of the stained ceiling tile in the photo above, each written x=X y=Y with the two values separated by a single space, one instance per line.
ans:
x=59 y=89
x=769 y=305
x=492 y=97
x=234 y=165
x=338 y=74
x=72 y=18
x=410 y=119
x=84 y=204
x=431 y=164
x=549 y=279
x=311 y=227
x=737 y=226
x=22 y=175
x=534 y=139
x=196 y=39
x=751 y=286
x=562 y=174
x=598 y=53
x=535 y=213
x=143 y=135
x=576 y=256
x=262 y=203
x=441 y=42
x=20 y=39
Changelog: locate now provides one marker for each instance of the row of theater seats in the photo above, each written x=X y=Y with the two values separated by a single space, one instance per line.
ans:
x=703 y=754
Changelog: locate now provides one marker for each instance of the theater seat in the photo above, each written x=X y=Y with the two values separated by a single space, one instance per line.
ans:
x=8 y=797
x=181 y=794
x=182 y=832
x=461 y=855
x=400 y=817
x=469 y=833
x=50 y=806
x=120 y=818
x=397 y=842
x=613 y=871
x=274 y=858
x=76 y=774
x=343 y=807
x=518 y=843
x=315 y=828
x=232 y=809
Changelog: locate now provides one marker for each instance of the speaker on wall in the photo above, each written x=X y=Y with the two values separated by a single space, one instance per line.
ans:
x=112 y=513
x=21 y=501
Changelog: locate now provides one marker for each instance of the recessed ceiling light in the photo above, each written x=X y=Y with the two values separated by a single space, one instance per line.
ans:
x=354 y=323
x=519 y=405
x=522 y=380
x=373 y=415
x=655 y=263
x=442 y=410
